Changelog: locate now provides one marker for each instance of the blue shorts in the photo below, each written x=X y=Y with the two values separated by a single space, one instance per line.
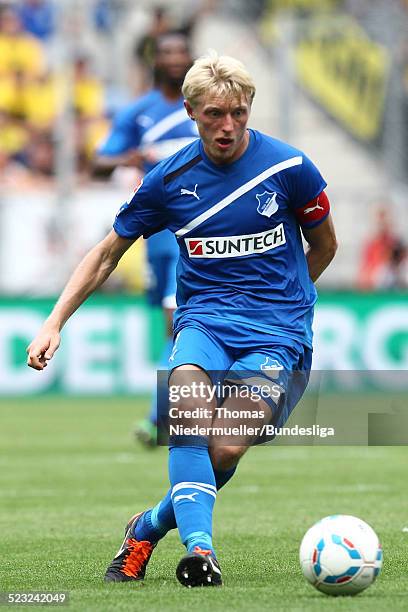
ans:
x=161 y=290
x=267 y=361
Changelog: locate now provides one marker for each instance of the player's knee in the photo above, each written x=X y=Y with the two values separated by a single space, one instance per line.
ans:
x=225 y=457
x=189 y=394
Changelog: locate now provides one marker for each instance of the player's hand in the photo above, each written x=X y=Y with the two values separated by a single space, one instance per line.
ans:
x=150 y=155
x=134 y=159
x=42 y=348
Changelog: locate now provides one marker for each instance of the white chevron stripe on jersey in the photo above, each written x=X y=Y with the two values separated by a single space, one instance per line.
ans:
x=164 y=126
x=229 y=199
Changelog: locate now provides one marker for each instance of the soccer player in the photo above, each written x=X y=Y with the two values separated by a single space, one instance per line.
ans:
x=143 y=134
x=238 y=202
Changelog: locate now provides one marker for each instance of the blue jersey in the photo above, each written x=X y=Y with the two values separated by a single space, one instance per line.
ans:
x=158 y=127
x=238 y=230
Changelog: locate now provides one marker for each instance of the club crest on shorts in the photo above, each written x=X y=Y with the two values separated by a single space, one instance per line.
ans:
x=267 y=204
x=271 y=367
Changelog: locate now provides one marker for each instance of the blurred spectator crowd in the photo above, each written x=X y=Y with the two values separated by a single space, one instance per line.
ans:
x=30 y=94
x=384 y=256
x=33 y=86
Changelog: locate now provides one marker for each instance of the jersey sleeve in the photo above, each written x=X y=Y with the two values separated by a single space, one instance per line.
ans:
x=144 y=213
x=124 y=135
x=307 y=185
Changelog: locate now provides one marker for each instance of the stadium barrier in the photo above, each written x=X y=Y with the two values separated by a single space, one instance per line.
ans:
x=109 y=347
x=111 y=344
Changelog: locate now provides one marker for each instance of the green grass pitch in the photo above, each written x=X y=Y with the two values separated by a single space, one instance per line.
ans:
x=71 y=475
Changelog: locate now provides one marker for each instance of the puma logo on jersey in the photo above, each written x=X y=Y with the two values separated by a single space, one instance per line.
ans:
x=188 y=192
x=236 y=246
x=312 y=208
x=180 y=497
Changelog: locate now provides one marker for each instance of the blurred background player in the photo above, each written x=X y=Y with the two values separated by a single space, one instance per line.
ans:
x=38 y=18
x=144 y=133
x=145 y=50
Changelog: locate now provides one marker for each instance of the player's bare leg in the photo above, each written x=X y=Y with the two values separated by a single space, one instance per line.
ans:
x=226 y=450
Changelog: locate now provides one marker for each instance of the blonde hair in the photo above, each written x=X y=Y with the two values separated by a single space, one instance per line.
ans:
x=223 y=76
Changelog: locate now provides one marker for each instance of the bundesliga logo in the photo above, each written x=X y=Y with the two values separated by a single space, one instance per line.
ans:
x=236 y=246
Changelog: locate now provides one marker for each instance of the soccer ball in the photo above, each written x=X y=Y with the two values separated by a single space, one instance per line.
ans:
x=341 y=555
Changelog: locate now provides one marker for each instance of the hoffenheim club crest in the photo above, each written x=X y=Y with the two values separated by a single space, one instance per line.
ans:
x=267 y=203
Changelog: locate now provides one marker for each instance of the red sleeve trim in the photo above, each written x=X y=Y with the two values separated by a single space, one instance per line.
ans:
x=314 y=212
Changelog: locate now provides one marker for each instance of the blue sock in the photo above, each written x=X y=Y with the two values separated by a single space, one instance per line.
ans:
x=193 y=493
x=146 y=530
x=156 y=522
x=163 y=365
